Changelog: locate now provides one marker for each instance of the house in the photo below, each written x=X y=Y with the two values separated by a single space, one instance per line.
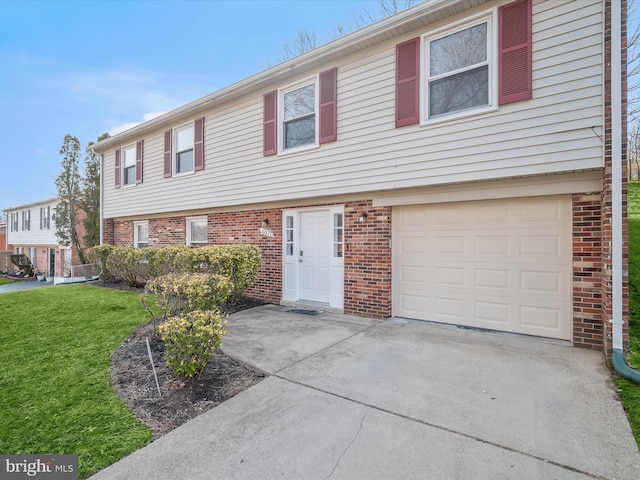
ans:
x=455 y=162
x=3 y=236
x=31 y=231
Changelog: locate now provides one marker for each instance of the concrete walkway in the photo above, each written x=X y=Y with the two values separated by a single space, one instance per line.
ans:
x=23 y=285
x=351 y=398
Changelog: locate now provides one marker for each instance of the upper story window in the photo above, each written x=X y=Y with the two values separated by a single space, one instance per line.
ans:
x=301 y=116
x=462 y=70
x=197 y=231
x=26 y=220
x=458 y=77
x=14 y=222
x=184 y=149
x=45 y=218
x=128 y=162
x=141 y=234
x=129 y=165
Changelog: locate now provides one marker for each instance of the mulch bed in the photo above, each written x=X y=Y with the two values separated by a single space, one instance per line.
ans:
x=182 y=399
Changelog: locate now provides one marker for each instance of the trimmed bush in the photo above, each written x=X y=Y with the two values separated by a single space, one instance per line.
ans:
x=186 y=292
x=98 y=255
x=240 y=263
x=190 y=340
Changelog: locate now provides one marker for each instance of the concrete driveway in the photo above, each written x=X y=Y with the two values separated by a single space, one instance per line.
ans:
x=352 y=398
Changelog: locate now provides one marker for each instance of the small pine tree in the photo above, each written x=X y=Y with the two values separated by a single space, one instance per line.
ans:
x=69 y=186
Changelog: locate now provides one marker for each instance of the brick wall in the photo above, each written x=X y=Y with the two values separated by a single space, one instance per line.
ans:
x=367 y=260
x=607 y=293
x=587 y=271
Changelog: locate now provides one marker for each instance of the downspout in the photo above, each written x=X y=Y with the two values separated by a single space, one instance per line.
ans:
x=617 y=356
x=101 y=189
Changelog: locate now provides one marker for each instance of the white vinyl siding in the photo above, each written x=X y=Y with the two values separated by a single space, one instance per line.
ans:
x=35 y=235
x=551 y=133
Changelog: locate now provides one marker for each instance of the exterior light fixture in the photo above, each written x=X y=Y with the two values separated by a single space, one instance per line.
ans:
x=265 y=222
x=363 y=217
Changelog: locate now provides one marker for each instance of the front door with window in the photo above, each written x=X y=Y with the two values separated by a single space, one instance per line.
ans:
x=313 y=256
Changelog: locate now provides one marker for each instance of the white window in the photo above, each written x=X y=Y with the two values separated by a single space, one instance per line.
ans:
x=140 y=234
x=32 y=256
x=459 y=71
x=14 y=222
x=338 y=235
x=129 y=165
x=26 y=220
x=288 y=235
x=184 y=149
x=299 y=105
x=197 y=231
x=45 y=218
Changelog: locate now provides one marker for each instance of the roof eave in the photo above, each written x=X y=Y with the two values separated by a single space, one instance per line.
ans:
x=396 y=25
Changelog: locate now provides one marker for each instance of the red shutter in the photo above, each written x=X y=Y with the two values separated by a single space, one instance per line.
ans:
x=407 y=82
x=168 y=160
x=328 y=109
x=514 y=50
x=118 y=174
x=270 y=129
x=198 y=144
x=139 y=155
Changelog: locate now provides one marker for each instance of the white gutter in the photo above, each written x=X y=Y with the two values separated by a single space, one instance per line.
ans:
x=616 y=173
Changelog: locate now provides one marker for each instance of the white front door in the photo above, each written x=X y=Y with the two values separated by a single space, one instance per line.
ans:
x=314 y=256
x=313 y=247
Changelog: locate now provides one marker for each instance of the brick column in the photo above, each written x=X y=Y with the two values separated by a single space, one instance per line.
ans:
x=367 y=260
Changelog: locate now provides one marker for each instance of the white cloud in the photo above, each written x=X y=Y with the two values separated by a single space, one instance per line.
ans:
x=126 y=126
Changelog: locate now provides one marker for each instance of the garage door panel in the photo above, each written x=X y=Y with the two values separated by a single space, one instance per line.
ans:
x=502 y=264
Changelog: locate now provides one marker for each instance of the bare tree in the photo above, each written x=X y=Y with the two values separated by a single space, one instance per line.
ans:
x=303 y=42
x=633 y=60
x=633 y=151
x=306 y=40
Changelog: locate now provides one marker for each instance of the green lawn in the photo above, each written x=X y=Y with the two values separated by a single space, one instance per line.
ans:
x=55 y=350
x=4 y=281
x=629 y=392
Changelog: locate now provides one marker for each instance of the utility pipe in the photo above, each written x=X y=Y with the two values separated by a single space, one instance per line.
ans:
x=617 y=357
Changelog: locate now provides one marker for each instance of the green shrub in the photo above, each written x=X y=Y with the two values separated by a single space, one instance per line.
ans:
x=190 y=340
x=240 y=263
x=99 y=255
x=185 y=292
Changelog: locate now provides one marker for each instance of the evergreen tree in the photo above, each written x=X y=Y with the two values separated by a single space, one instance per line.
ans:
x=69 y=187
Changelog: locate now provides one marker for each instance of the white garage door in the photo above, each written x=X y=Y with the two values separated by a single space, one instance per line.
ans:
x=496 y=264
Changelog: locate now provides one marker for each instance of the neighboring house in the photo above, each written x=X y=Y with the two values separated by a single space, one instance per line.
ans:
x=31 y=230
x=450 y=163
x=3 y=236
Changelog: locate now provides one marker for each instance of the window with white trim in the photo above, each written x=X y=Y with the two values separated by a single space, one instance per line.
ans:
x=288 y=236
x=141 y=234
x=32 y=256
x=299 y=105
x=45 y=218
x=184 y=149
x=197 y=231
x=338 y=235
x=26 y=220
x=129 y=165
x=14 y=222
x=458 y=70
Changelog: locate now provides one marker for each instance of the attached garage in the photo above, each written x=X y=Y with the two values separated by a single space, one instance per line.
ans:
x=496 y=264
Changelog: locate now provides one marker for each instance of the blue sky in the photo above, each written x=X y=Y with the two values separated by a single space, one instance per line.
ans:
x=86 y=67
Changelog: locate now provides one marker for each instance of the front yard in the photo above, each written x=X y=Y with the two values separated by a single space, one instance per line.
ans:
x=55 y=377
x=629 y=392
